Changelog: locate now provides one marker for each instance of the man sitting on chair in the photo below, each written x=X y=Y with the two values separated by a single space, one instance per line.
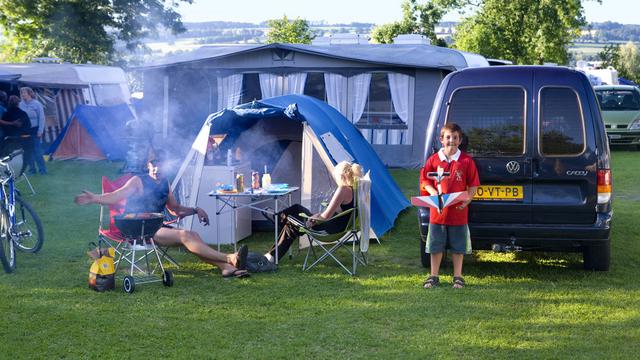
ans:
x=150 y=193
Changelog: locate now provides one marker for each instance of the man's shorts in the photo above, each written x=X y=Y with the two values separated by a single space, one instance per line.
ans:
x=455 y=238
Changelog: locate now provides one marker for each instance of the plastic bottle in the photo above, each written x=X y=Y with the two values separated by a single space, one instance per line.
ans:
x=255 y=180
x=240 y=183
x=266 y=179
x=229 y=157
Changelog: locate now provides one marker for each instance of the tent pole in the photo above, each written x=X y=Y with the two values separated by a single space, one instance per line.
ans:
x=165 y=108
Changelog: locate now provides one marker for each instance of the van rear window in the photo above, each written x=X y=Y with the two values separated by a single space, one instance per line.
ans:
x=561 y=123
x=492 y=118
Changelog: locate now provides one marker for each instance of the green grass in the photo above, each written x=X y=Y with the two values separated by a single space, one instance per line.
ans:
x=524 y=306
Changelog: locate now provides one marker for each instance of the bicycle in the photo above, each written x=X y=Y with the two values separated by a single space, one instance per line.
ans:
x=20 y=226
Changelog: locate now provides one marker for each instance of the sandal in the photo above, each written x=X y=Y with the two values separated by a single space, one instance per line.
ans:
x=237 y=273
x=458 y=282
x=431 y=282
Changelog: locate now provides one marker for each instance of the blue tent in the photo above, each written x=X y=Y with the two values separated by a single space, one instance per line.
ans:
x=329 y=127
x=93 y=133
x=624 y=81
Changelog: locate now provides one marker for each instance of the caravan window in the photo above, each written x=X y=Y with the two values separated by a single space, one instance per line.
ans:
x=108 y=94
x=250 y=88
x=314 y=86
x=388 y=110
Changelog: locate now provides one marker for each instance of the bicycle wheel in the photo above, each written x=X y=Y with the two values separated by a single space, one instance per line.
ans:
x=28 y=235
x=7 y=251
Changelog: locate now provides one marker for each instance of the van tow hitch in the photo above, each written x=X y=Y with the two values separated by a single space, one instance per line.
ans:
x=512 y=247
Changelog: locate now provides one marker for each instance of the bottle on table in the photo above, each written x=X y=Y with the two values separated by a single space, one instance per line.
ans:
x=255 y=180
x=229 y=157
x=240 y=183
x=266 y=179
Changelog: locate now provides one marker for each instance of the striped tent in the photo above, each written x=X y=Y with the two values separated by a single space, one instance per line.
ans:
x=59 y=105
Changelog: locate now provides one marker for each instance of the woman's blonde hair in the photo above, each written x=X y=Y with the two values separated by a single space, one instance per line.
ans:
x=29 y=91
x=346 y=173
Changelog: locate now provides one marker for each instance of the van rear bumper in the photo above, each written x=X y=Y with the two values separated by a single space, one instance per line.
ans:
x=547 y=237
x=535 y=237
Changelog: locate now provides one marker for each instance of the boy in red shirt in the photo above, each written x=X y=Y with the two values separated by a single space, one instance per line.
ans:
x=449 y=228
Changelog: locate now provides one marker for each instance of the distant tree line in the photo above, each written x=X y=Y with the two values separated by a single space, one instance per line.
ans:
x=611 y=32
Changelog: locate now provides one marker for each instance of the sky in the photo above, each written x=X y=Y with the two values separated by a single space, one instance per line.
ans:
x=369 y=11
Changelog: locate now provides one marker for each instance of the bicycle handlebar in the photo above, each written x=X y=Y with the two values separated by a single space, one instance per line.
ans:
x=7 y=158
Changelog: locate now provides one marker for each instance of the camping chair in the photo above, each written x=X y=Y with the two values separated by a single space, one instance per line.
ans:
x=107 y=229
x=354 y=238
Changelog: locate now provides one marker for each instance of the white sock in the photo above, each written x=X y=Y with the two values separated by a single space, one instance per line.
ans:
x=269 y=257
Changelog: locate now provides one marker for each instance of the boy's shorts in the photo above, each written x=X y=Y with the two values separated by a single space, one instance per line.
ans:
x=455 y=238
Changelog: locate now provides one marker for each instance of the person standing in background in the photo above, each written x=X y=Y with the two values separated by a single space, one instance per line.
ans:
x=17 y=131
x=35 y=111
x=3 y=109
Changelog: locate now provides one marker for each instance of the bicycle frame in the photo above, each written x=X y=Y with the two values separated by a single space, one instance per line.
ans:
x=8 y=199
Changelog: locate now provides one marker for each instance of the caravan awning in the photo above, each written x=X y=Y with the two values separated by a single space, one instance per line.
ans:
x=8 y=76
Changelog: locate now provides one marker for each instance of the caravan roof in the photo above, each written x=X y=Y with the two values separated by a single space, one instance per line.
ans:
x=65 y=75
x=409 y=55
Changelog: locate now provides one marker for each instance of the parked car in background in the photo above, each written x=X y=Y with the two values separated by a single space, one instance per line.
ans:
x=543 y=159
x=620 y=106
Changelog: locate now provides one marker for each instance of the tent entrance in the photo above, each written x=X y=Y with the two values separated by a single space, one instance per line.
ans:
x=274 y=143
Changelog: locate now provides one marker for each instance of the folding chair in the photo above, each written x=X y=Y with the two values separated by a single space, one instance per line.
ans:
x=354 y=238
x=107 y=229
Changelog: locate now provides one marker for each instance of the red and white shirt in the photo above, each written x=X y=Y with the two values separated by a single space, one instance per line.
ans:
x=464 y=174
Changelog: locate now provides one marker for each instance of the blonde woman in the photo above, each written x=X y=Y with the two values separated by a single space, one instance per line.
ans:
x=345 y=175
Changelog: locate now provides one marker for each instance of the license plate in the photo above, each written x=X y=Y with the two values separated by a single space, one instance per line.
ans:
x=615 y=136
x=499 y=192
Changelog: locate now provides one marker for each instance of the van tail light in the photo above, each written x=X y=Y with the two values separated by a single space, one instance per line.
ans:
x=604 y=186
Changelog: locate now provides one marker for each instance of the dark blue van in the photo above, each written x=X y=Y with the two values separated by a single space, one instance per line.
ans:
x=540 y=146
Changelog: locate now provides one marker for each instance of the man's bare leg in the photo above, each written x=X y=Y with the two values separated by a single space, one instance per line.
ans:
x=192 y=242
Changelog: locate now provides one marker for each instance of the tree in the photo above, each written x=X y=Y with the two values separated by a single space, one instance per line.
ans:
x=629 y=62
x=610 y=55
x=416 y=19
x=82 y=30
x=523 y=31
x=289 y=31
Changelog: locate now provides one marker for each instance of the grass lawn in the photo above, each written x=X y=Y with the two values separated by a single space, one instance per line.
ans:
x=515 y=306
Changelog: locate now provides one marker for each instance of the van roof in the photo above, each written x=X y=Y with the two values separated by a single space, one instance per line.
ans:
x=519 y=68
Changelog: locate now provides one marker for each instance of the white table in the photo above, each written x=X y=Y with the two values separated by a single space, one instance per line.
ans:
x=228 y=202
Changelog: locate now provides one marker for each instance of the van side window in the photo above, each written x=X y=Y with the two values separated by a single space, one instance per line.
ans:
x=492 y=118
x=561 y=123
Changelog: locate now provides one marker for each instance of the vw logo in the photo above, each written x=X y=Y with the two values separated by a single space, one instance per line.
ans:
x=513 y=167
